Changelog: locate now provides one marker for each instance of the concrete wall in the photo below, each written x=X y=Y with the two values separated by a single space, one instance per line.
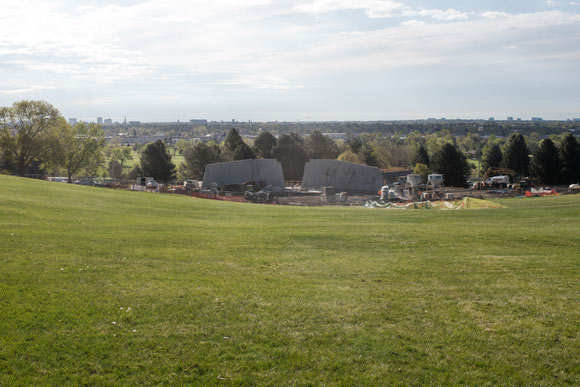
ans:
x=237 y=172
x=343 y=176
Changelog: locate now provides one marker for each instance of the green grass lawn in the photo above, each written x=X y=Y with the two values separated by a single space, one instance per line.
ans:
x=242 y=294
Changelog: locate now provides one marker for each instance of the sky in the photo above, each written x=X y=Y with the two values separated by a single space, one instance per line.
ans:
x=293 y=60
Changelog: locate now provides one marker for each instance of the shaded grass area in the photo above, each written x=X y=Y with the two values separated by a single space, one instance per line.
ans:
x=243 y=294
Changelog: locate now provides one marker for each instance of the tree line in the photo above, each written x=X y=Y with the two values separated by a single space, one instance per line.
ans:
x=552 y=162
x=36 y=140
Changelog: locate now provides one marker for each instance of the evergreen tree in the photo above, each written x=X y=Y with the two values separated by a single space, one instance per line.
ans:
x=546 y=163
x=421 y=157
x=319 y=146
x=156 y=162
x=369 y=156
x=232 y=141
x=355 y=144
x=492 y=157
x=516 y=154
x=264 y=144
x=291 y=153
x=452 y=164
x=243 y=152
x=570 y=153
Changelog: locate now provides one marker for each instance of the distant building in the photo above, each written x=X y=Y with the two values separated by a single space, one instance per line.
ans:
x=336 y=136
x=134 y=122
x=109 y=122
x=72 y=121
x=491 y=119
x=198 y=122
x=99 y=120
x=510 y=118
x=576 y=120
x=537 y=119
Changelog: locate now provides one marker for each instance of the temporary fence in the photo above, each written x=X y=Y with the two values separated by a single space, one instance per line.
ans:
x=464 y=204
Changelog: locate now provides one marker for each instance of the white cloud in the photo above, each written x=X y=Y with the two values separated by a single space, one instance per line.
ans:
x=179 y=48
x=27 y=90
x=379 y=9
x=439 y=14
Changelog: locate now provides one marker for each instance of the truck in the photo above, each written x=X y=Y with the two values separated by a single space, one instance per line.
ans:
x=498 y=181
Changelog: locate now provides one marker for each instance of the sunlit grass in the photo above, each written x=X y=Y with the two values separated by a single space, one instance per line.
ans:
x=228 y=293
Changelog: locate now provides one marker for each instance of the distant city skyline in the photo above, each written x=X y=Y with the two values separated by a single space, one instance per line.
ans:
x=293 y=60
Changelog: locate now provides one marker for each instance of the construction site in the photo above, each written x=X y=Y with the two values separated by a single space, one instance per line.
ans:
x=334 y=183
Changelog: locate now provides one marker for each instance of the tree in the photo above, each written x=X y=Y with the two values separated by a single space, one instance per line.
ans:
x=264 y=144
x=570 y=153
x=24 y=132
x=421 y=157
x=546 y=163
x=452 y=164
x=423 y=170
x=351 y=157
x=390 y=152
x=355 y=144
x=319 y=146
x=291 y=153
x=516 y=154
x=196 y=158
x=492 y=157
x=232 y=141
x=243 y=152
x=156 y=162
x=115 y=169
x=80 y=149
x=369 y=156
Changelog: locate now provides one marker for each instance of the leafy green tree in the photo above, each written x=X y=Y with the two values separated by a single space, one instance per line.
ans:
x=181 y=146
x=492 y=158
x=421 y=156
x=264 y=145
x=471 y=144
x=25 y=130
x=423 y=170
x=243 y=152
x=452 y=164
x=546 y=163
x=570 y=154
x=350 y=157
x=81 y=149
x=292 y=155
x=196 y=158
x=156 y=162
x=391 y=152
x=122 y=154
x=516 y=154
x=319 y=146
x=232 y=141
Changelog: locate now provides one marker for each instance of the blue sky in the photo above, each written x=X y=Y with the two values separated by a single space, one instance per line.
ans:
x=262 y=60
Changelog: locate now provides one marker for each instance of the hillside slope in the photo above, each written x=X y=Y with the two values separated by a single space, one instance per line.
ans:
x=111 y=287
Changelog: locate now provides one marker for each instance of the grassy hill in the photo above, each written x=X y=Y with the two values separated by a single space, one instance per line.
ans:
x=107 y=287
